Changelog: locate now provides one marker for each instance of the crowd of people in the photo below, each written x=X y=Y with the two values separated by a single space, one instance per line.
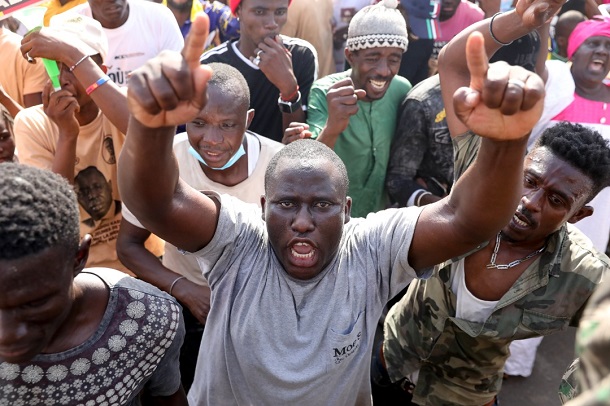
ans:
x=230 y=202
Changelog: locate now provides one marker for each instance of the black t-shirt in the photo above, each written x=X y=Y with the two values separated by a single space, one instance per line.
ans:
x=263 y=94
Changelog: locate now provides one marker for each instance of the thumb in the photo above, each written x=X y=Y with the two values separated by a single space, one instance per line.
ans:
x=360 y=93
x=465 y=99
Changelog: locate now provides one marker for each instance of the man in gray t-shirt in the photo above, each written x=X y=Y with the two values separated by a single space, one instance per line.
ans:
x=296 y=293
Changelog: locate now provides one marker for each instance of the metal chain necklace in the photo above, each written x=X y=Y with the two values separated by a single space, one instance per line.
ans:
x=494 y=255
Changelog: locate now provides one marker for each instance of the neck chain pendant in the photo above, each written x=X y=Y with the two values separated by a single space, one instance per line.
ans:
x=492 y=261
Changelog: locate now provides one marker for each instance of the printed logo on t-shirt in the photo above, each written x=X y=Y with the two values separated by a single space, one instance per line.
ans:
x=344 y=352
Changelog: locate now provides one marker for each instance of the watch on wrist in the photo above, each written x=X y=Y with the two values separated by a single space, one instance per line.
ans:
x=289 y=107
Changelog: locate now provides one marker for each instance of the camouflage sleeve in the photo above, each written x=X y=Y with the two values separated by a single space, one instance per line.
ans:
x=465 y=149
x=413 y=326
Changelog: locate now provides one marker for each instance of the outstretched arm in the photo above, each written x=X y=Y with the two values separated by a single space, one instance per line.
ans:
x=501 y=104
x=168 y=90
x=527 y=16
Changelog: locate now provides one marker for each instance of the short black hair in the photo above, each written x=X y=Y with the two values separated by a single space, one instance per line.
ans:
x=231 y=82
x=583 y=148
x=304 y=150
x=38 y=210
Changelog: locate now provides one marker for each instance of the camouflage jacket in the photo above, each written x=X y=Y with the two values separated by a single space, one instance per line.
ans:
x=460 y=362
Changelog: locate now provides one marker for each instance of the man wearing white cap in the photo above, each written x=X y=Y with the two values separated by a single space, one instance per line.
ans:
x=79 y=128
x=354 y=112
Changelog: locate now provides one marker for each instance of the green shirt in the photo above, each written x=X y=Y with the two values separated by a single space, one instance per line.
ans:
x=365 y=144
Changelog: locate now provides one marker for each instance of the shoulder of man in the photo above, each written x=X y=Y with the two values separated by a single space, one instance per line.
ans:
x=118 y=279
x=221 y=53
x=299 y=47
x=584 y=258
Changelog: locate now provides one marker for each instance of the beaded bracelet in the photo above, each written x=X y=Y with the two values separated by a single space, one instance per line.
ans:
x=97 y=84
x=492 y=33
x=77 y=63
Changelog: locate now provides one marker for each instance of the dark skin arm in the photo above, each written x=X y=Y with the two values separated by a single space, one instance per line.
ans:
x=527 y=16
x=166 y=91
x=485 y=197
x=108 y=97
x=32 y=99
x=134 y=255
x=276 y=64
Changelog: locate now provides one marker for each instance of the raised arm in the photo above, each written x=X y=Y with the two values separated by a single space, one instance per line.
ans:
x=168 y=90
x=501 y=104
x=47 y=43
x=506 y=27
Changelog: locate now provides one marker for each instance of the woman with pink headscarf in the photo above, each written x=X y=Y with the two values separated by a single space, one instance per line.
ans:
x=589 y=51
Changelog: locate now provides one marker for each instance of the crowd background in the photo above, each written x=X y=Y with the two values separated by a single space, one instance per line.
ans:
x=398 y=156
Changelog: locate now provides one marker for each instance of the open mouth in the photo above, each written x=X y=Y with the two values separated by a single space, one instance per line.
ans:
x=212 y=156
x=522 y=220
x=519 y=222
x=378 y=84
x=302 y=250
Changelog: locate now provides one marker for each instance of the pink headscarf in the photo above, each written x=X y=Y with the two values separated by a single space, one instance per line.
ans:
x=597 y=26
x=233 y=4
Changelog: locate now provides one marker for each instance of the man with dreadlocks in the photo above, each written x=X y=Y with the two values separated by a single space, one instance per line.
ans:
x=70 y=335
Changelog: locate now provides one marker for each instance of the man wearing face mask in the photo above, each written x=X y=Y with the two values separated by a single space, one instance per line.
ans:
x=218 y=153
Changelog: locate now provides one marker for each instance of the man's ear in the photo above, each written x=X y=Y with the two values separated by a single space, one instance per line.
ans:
x=250 y=118
x=349 y=55
x=584 y=211
x=80 y=260
x=263 y=200
x=348 y=210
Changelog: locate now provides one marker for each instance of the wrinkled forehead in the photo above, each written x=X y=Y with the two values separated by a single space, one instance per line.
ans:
x=542 y=162
x=293 y=173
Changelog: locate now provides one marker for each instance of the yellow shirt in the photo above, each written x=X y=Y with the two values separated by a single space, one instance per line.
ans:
x=17 y=76
x=54 y=7
x=95 y=169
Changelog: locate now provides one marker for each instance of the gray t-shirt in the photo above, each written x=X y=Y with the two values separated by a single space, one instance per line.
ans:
x=271 y=339
x=137 y=343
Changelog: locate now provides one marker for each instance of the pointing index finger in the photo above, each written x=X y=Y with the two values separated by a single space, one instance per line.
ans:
x=195 y=40
x=477 y=60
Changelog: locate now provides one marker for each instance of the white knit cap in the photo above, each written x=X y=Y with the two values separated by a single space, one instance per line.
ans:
x=379 y=25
